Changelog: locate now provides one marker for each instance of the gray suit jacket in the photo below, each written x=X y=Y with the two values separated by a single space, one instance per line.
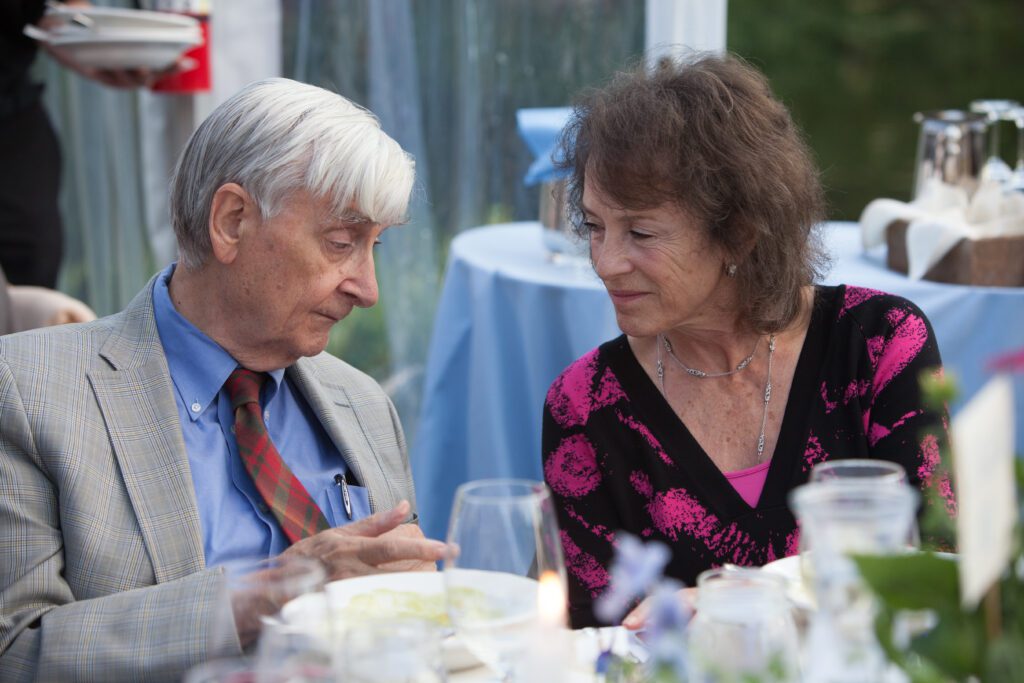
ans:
x=102 y=575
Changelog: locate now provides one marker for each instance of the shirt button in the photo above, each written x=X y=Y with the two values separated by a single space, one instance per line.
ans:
x=266 y=416
x=196 y=407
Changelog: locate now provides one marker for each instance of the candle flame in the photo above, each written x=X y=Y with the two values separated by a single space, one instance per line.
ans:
x=551 y=599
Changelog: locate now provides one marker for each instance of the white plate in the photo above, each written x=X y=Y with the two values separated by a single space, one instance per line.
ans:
x=428 y=587
x=118 y=18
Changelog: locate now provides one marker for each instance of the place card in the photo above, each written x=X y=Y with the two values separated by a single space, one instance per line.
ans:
x=983 y=468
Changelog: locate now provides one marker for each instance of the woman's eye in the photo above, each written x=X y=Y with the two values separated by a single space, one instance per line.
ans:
x=591 y=227
x=339 y=246
x=639 y=234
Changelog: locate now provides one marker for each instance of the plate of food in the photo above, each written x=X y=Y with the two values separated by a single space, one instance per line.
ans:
x=400 y=595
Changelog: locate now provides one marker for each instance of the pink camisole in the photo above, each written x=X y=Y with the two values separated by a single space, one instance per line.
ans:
x=749 y=482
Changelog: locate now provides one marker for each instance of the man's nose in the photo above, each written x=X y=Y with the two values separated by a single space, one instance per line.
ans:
x=361 y=284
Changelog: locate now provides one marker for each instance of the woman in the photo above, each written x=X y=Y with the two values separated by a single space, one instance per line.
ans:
x=735 y=374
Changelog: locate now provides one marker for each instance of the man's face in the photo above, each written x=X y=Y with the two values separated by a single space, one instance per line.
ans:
x=297 y=274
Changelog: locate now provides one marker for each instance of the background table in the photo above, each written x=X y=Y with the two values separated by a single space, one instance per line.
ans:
x=509 y=321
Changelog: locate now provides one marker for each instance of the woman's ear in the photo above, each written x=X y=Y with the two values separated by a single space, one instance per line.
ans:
x=231 y=211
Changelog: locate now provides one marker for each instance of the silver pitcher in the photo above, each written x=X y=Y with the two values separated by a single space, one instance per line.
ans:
x=951 y=148
x=559 y=238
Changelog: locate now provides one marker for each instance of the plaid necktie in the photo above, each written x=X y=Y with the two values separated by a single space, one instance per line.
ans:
x=281 y=490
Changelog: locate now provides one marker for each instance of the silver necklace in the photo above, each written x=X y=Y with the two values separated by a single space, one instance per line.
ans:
x=767 y=387
x=700 y=373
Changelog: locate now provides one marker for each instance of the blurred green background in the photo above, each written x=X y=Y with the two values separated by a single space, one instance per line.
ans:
x=853 y=72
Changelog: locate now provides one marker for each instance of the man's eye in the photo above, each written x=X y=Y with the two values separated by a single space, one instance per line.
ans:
x=340 y=246
x=640 y=234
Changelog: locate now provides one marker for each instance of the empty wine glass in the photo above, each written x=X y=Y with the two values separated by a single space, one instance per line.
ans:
x=995 y=168
x=505 y=547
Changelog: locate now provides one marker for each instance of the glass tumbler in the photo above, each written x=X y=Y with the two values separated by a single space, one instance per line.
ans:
x=743 y=629
x=392 y=651
x=841 y=520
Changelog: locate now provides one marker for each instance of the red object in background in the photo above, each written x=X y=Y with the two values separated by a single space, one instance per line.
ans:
x=193 y=80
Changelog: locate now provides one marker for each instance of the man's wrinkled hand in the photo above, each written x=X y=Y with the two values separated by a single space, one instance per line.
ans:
x=371 y=546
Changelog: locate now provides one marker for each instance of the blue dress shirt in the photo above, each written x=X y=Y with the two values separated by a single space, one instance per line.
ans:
x=235 y=520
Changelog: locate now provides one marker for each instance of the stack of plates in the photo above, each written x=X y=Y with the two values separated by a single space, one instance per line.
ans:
x=112 y=38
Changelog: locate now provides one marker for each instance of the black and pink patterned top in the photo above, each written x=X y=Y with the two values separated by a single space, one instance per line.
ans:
x=618 y=458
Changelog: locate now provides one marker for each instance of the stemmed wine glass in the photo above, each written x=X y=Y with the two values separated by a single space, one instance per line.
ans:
x=505 y=575
x=995 y=168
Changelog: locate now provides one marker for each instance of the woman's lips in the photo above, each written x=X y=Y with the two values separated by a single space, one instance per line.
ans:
x=625 y=296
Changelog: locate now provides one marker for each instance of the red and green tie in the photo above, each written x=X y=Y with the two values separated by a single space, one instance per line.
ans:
x=288 y=499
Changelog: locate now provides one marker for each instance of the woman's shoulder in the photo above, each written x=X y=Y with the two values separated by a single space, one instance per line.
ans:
x=872 y=311
x=589 y=381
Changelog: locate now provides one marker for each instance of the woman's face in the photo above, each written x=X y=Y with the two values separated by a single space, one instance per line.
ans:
x=658 y=266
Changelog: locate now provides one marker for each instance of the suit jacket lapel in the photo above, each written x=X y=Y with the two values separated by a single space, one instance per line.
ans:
x=331 y=405
x=136 y=399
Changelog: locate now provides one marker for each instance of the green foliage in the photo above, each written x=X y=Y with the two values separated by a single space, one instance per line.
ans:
x=985 y=643
x=855 y=71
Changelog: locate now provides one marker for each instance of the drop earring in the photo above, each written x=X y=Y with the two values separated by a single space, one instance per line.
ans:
x=730 y=270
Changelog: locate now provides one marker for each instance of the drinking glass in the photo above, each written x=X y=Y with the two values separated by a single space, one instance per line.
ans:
x=1017 y=116
x=841 y=520
x=995 y=168
x=255 y=588
x=505 y=575
x=228 y=670
x=854 y=471
x=392 y=651
x=743 y=629
x=293 y=653
x=862 y=469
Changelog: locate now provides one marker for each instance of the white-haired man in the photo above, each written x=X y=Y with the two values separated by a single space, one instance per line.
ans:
x=204 y=423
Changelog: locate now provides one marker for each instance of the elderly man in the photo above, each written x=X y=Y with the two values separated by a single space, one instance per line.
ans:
x=134 y=450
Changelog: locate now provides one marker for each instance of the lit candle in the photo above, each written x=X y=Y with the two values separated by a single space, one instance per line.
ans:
x=550 y=654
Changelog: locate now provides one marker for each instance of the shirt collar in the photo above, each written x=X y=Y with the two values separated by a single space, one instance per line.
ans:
x=198 y=365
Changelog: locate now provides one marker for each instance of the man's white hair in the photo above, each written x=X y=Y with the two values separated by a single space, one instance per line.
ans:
x=279 y=136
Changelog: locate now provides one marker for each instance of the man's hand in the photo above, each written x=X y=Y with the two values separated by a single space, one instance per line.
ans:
x=379 y=543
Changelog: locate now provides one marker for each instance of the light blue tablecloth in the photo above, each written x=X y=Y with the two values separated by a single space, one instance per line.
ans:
x=509 y=321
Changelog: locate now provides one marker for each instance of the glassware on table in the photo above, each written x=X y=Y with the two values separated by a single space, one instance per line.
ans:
x=392 y=651
x=854 y=471
x=259 y=587
x=840 y=520
x=505 y=577
x=743 y=629
x=995 y=168
x=1017 y=116
x=228 y=670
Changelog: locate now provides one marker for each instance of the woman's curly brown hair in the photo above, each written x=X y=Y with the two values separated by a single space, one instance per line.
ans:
x=708 y=135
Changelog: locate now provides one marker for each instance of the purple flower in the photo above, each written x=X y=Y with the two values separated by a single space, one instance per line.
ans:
x=637 y=567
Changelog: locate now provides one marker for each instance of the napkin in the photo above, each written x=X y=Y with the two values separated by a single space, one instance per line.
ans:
x=940 y=217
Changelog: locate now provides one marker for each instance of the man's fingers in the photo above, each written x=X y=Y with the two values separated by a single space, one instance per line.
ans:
x=380 y=551
x=378 y=523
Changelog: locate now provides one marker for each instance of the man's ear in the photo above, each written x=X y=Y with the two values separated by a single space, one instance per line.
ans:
x=232 y=211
